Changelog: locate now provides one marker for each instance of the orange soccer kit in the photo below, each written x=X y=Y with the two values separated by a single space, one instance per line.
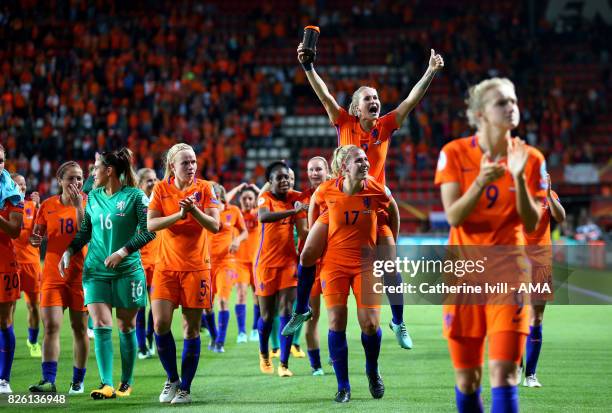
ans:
x=148 y=256
x=276 y=257
x=352 y=221
x=494 y=221
x=224 y=272
x=9 y=270
x=59 y=223
x=28 y=257
x=248 y=248
x=182 y=270
x=375 y=144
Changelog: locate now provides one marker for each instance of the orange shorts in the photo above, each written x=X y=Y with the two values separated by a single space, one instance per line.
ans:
x=468 y=352
x=337 y=281
x=67 y=295
x=30 y=279
x=478 y=321
x=149 y=270
x=9 y=286
x=189 y=289
x=245 y=272
x=268 y=281
x=224 y=277
x=316 y=287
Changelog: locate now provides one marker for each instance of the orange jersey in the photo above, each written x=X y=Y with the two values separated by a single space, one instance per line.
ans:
x=305 y=198
x=7 y=251
x=183 y=246
x=375 y=143
x=276 y=247
x=231 y=220
x=26 y=253
x=60 y=222
x=352 y=219
x=541 y=235
x=248 y=248
x=495 y=219
x=149 y=253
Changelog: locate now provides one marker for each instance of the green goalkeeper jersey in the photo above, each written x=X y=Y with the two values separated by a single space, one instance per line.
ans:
x=110 y=223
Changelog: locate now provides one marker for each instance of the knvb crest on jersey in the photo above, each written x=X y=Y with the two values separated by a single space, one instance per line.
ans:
x=120 y=206
x=366 y=202
x=198 y=196
x=374 y=135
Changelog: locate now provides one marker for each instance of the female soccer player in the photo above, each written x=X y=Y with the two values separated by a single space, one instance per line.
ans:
x=148 y=254
x=183 y=210
x=246 y=253
x=488 y=183
x=276 y=259
x=351 y=202
x=115 y=228
x=362 y=126
x=59 y=220
x=11 y=217
x=540 y=254
x=223 y=247
x=29 y=265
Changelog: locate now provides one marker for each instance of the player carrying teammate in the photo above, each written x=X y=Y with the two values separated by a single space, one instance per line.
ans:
x=223 y=247
x=59 y=220
x=362 y=126
x=114 y=226
x=148 y=254
x=11 y=217
x=276 y=259
x=183 y=210
x=489 y=180
x=29 y=265
x=540 y=254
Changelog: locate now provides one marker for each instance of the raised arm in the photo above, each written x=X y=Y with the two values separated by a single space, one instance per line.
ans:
x=235 y=191
x=320 y=88
x=436 y=63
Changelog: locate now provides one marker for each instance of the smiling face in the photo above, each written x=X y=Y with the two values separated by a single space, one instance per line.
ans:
x=147 y=182
x=73 y=175
x=356 y=165
x=21 y=183
x=101 y=173
x=317 y=172
x=279 y=180
x=184 y=166
x=368 y=107
x=247 y=200
x=500 y=108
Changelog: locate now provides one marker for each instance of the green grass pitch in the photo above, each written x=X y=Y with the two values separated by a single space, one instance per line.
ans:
x=575 y=369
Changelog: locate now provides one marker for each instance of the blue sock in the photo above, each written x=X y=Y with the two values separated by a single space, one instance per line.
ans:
x=468 y=403
x=315 y=358
x=211 y=325
x=264 y=328
x=150 y=325
x=285 y=341
x=7 y=348
x=534 y=345
x=398 y=314
x=33 y=335
x=504 y=399
x=396 y=300
x=240 y=310
x=224 y=316
x=255 y=316
x=140 y=330
x=166 y=348
x=338 y=351
x=371 y=346
x=189 y=365
x=306 y=278
x=78 y=375
x=49 y=371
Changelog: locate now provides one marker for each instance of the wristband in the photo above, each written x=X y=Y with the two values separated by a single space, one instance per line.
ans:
x=122 y=252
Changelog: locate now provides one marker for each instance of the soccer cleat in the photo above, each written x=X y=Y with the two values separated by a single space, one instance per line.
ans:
x=318 y=372
x=401 y=334
x=254 y=335
x=377 y=387
x=296 y=322
x=219 y=348
x=532 y=381
x=169 y=391
x=519 y=374
x=275 y=353
x=5 y=387
x=103 y=392
x=265 y=365
x=211 y=345
x=76 y=388
x=343 y=396
x=283 y=371
x=43 y=386
x=142 y=355
x=90 y=333
x=182 y=396
x=35 y=350
x=242 y=338
x=124 y=390
x=297 y=352
x=151 y=346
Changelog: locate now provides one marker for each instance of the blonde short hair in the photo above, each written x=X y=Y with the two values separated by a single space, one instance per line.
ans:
x=355 y=100
x=339 y=158
x=476 y=93
x=170 y=155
